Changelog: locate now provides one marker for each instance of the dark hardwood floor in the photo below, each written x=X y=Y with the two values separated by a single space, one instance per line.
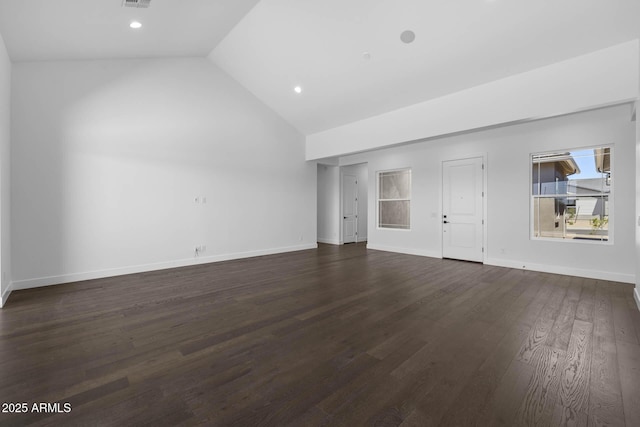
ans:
x=339 y=336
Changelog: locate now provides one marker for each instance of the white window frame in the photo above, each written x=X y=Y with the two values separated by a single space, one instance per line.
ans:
x=378 y=199
x=610 y=195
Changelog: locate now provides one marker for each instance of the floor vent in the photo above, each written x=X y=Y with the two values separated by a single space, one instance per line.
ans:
x=136 y=3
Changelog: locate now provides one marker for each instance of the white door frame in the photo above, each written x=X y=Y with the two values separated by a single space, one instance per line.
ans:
x=485 y=199
x=342 y=175
x=362 y=187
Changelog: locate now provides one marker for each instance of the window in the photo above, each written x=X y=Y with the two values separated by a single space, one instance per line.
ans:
x=571 y=192
x=394 y=199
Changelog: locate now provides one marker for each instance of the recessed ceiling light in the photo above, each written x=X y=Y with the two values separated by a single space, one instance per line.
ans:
x=366 y=55
x=407 y=36
x=297 y=89
x=135 y=25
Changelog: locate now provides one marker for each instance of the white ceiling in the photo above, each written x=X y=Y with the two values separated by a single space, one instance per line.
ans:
x=36 y=30
x=319 y=44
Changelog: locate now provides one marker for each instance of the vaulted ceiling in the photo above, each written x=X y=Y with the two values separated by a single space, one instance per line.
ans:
x=321 y=45
x=347 y=56
x=37 y=30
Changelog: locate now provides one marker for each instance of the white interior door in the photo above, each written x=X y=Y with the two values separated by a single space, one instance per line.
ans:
x=349 y=209
x=462 y=209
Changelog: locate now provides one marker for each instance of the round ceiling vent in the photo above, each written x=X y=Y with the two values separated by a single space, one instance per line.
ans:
x=407 y=36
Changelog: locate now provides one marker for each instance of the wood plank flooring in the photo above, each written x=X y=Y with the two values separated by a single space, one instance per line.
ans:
x=338 y=336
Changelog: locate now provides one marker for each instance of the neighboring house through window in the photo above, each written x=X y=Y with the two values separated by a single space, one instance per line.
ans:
x=571 y=191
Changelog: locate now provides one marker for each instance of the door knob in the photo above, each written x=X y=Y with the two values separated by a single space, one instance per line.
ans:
x=445 y=222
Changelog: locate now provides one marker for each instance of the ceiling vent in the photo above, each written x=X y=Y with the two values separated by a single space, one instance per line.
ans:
x=136 y=3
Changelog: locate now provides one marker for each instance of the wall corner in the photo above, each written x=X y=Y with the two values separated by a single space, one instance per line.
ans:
x=5 y=295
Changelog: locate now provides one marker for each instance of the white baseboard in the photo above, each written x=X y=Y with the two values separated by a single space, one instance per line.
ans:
x=555 y=269
x=559 y=269
x=5 y=294
x=328 y=241
x=338 y=242
x=408 y=251
x=90 y=275
x=636 y=295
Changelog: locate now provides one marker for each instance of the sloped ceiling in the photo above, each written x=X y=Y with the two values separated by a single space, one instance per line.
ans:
x=37 y=30
x=346 y=55
x=348 y=58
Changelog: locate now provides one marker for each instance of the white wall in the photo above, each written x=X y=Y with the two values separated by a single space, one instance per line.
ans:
x=328 y=204
x=507 y=150
x=109 y=157
x=5 y=173
x=602 y=78
x=361 y=172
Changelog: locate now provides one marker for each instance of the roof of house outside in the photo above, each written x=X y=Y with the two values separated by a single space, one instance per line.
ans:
x=564 y=160
x=603 y=159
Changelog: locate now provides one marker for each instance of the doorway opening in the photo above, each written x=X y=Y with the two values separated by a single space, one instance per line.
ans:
x=342 y=204
x=354 y=180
